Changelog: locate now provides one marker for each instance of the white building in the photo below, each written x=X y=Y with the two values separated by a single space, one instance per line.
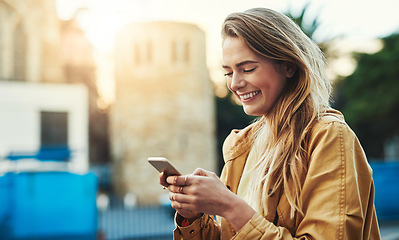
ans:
x=34 y=115
x=47 y=85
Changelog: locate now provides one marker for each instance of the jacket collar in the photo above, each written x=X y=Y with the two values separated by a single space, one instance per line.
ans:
x=239 y=141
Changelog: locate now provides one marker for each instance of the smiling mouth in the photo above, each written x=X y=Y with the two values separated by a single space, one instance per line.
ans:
x=249 y=95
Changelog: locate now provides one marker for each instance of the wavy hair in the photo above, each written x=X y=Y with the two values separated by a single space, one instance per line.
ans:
x=280 y=143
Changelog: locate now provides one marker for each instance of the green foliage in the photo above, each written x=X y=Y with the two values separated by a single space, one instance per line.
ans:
x=308 y=29
x=369 y=98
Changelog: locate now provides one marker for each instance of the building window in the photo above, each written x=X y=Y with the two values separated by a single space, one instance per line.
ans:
x=180 y=52
x=54 y=129
x=149 y=51
x=136 y=53
x=187 y=52
x=19 y=53
x=174 y=52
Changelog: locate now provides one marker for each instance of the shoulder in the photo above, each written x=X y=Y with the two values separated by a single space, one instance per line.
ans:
x=333 y=146
x=330 y=116
x=330 y=128
x=330 y=121
x=332 y=138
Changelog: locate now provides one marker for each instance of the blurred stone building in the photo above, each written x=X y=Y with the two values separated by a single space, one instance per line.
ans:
x=30 y=39
x=78 y=66
x=40 y=51
x=164 y=105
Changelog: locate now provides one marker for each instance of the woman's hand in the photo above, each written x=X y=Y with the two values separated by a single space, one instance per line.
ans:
x=188 y=214
x=162 y=180
x=201 y=192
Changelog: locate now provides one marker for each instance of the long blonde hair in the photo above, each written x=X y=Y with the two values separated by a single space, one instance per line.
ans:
x=280 y=143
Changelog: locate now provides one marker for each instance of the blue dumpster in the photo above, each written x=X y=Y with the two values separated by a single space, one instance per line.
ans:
x=53 y=205
x=386 y=179
x=45 y=153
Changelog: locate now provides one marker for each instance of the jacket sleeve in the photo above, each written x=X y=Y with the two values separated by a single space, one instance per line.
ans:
x=203 y=228
x=337 y=194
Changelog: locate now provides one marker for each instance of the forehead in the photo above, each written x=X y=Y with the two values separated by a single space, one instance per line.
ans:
x=235 y=50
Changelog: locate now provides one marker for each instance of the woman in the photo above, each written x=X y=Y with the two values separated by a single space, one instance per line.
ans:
x=299 y=171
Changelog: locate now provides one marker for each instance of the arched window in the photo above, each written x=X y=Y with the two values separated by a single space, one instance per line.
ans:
x=19 y=53
x=180 y=51
x=187 y=52
x=137 y=53
x=149 y=51
x=173 y=52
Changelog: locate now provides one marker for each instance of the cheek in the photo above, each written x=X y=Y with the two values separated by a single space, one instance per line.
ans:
x=228 y=83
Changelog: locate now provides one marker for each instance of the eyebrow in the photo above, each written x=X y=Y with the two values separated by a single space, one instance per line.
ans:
x=241 y=63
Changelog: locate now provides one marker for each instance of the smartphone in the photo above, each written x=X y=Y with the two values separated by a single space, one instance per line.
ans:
x=163 y=165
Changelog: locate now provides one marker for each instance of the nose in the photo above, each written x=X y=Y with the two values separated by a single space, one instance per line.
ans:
x=237 y=82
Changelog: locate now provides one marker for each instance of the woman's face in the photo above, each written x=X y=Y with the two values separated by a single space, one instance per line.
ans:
x=253 y=79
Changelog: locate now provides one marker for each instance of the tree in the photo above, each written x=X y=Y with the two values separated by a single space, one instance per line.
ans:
x=369 y=98
x=308 y=29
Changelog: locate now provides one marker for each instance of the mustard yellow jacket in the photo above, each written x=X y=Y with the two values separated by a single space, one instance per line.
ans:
x=337 y=194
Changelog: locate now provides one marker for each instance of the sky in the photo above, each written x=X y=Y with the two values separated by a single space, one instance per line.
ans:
x=358 y=20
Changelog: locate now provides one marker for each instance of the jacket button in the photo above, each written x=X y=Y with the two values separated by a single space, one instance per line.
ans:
x=270 y=193
x=192 y=231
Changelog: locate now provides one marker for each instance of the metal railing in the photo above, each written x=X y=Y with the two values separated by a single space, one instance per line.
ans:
x=118 y=222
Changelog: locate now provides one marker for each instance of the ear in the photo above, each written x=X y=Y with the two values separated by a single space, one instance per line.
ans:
x=289 y=69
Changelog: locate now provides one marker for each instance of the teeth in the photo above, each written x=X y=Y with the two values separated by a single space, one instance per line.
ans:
x=249 y=95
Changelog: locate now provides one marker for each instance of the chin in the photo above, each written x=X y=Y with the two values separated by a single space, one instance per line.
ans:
x=252 y=113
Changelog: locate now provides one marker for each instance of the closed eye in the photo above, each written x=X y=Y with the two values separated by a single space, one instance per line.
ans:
x=250 y=70
x=228 y=74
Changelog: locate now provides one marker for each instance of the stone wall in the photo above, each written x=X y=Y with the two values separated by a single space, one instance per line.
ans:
x=29 y=41
x=164 y=105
